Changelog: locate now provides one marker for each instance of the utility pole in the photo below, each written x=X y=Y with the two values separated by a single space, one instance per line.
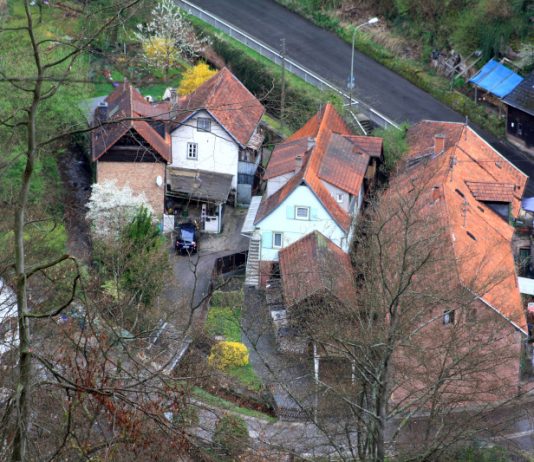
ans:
x=283 y=84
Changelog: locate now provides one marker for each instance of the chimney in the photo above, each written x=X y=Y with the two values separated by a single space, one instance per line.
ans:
x=101 y=112
x=298 y=163
x=311 y=143
x=439 y=144
x=174 y=104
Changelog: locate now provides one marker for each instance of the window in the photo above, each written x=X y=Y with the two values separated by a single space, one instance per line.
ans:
x=277 y=240
x=203 y=124
x=471 y=235
x=339 y=197
x=192 y=151
x=302 y=213
x=448 y=317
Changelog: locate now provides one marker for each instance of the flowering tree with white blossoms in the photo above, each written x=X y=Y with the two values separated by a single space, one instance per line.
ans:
x=168 y=37
x=111 y=208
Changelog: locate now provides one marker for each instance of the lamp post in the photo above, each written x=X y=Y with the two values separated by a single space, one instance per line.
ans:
x=351 y=81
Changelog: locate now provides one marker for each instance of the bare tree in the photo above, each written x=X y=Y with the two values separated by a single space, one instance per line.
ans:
x=419 y=362
x=77 y=389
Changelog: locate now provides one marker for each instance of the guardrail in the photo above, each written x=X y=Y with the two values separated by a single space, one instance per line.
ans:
x=290 y=65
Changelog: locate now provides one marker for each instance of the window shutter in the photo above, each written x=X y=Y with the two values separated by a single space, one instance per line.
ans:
x=267 y=240
x=314 y=214
x=290 y=212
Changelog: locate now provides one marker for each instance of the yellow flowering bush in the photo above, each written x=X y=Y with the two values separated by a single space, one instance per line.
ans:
x=228 y=354
x=194 y=77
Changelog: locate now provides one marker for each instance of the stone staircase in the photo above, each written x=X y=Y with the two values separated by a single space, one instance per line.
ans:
x=367 y=125
x=252 y=275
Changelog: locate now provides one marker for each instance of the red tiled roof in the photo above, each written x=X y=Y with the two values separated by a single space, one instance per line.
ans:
x=283 y=157
x=230 y=103
x=270 y=203
x=314 y=264
x=478 y=161
x=491 y=192
x=341 y=167
x=337 y=157
x=480 y=239
x=370 y=145
x=127 y=103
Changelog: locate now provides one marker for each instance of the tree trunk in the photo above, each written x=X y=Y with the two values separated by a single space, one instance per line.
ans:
x=23 y=388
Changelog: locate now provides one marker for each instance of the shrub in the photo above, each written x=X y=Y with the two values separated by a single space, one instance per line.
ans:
x=395 y=144
x=194 y=77
x=228 y=354
x=231 y=435
x=186 y=417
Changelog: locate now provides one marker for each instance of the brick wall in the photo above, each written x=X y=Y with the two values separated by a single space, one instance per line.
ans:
x=486 y=351
x=139 y=176
x=266 y=268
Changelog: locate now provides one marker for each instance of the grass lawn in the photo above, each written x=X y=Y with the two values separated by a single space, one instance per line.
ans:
x=221 y=403
x=225 y=321
x=104 y=87
x=276 y=126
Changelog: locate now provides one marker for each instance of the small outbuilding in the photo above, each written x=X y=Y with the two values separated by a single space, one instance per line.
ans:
x=520 y=114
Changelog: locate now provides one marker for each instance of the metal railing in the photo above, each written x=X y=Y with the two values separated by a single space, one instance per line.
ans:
x=290 y=65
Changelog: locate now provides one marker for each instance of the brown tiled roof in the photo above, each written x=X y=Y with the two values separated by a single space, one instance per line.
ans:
x=228 y=101
x=491 y=192
x=127 y=103
x=341 y=166
x=370 y=145
x=337 y=157
x=478 y=161
x=481 y=241
x=270 y=203
x=312 y=265
x=283 y=157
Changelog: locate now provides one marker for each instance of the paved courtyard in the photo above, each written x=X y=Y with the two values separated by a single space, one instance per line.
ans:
x=188 y=283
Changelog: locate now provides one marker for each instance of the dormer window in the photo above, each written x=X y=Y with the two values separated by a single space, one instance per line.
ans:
x=448 y=317
x=500 y=208
x=203 y=124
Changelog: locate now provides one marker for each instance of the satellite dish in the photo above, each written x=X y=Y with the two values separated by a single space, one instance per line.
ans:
x=159 y=181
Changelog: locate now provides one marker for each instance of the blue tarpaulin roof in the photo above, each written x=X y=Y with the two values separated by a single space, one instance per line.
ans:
x=496 y=78
x=528 y=204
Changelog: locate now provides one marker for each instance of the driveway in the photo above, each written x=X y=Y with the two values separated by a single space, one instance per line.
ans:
x=188 y=284
x=327 y=55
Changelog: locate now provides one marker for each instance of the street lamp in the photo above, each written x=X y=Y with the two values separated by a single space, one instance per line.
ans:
x=351 y=81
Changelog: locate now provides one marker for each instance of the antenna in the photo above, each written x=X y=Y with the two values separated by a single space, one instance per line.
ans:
x=452 y=163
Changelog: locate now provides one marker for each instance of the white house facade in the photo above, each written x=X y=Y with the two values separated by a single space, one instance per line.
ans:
x=201 y=143
x=299 y=214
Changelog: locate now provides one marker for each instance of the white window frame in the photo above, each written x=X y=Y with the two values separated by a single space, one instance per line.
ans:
x=275 y=246
x=340 y=197
x=307 y=217
x=192 y=151
x=206 y=120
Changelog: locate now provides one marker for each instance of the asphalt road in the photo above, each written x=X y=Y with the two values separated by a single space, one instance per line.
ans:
x=327 y=55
